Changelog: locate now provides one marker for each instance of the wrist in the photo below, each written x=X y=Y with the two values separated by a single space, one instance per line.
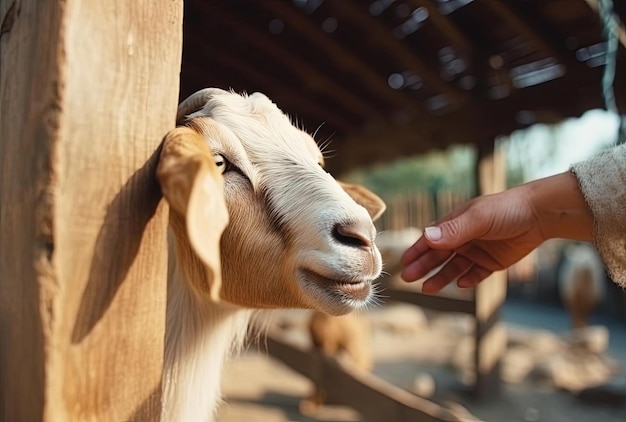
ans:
x=560 y=208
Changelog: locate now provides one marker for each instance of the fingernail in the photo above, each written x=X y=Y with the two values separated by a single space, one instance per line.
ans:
x=433 y=233
x=464 y=283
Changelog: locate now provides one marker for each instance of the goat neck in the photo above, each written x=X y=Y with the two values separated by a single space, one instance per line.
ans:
x=200 y=336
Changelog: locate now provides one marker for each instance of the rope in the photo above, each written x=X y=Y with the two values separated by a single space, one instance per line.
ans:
x=610 y=29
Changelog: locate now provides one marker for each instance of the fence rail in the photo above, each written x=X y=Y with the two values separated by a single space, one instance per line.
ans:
x=374 y=398
x=419 y=208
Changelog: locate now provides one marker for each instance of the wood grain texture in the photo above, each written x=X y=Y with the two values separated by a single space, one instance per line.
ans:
x=490 y=294
x=87 y=91
x=374 y=398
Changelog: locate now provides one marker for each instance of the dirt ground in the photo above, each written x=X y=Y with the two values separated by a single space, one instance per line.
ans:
x=413 y=348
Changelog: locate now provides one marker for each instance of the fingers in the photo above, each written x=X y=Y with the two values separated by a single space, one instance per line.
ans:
x=456 y=235
x=459 y=268
x=470 y=265
x=424 y=264
x=453 y=233
x=419 y=248
x=452 y=270
x=475 y=252
x=467 y=223
x=473 y=277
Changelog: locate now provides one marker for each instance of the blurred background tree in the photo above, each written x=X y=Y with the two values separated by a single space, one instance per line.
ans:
x=539 y=151
x=449 y=169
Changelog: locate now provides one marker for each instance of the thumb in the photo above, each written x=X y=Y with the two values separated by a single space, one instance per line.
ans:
x=452 y=233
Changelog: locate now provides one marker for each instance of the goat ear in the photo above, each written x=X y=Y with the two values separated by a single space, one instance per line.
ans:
x=366 y=198
x=193 y=186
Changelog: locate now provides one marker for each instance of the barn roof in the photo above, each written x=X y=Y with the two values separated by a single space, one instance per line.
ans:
x=389 y=78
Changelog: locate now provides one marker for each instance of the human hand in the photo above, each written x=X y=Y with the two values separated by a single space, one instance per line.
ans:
x=492 y=232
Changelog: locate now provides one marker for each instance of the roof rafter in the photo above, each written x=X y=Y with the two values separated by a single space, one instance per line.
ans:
x=207 y=52
x=523 y=28
x=309 y=75
x=381 y=35
x=458 y=39
x=341 y=55
x=554 y=43
x=445 y=25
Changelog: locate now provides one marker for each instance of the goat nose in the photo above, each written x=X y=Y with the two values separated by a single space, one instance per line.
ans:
x=355 y=233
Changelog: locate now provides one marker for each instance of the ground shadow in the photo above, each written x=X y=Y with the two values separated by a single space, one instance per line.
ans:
x=289 y=406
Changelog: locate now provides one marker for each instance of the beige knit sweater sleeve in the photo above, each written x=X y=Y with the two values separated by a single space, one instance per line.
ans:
x=602 y=180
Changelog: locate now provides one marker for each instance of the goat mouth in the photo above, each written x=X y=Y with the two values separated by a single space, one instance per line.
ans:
x=353 y=289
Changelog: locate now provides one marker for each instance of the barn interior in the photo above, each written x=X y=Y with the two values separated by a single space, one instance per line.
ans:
x=83 y=222
x=390 y=79
x=385 y=79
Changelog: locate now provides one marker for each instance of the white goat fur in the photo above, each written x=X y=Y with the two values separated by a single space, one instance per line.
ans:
x=281 y=248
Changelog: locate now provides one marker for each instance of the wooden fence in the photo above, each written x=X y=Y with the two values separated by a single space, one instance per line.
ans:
x=419 y=208
x=374 y=398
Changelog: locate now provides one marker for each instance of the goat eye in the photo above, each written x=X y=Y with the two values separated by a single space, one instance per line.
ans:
x=221 y=163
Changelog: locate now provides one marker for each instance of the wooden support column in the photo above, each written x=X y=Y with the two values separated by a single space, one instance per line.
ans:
x=87 y=91
x=489 y=295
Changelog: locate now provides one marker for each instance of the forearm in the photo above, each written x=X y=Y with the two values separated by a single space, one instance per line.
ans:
x=560 y=208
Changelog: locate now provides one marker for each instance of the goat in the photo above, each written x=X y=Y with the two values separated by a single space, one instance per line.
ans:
x=581 y=282
x=335 y=336
x=255 y=223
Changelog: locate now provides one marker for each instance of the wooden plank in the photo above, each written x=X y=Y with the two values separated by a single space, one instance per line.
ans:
x=310 y=76
x=452 y=32
x=490 y=294
x=436 y=303
x=87 y=91
x=272 y=87
x=518 y=25
x=342 y=55
x=374 y=398
x=381 y=35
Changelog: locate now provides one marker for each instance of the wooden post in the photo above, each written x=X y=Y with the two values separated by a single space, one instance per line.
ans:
x=87 y=91
x=489 y=295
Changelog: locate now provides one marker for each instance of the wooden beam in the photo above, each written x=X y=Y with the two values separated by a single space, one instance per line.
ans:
x=374 y=398
x=484 y=120
x=463 y=45
x=528 y=22
x=342 y=56
x=87 y=91
x=490 y=294
x=308 y=74
x=454 y=35
x=381 y=35
x=436 y=303
x=274 y=88
x=531 y=17
x=519 y=26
